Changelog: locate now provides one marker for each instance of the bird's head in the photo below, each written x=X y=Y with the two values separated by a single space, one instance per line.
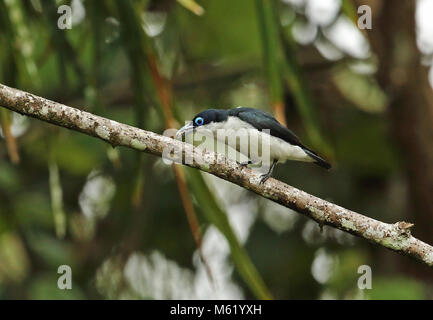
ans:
x=203 y=120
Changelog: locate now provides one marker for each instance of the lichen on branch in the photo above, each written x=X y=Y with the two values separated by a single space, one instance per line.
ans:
x=396 y=237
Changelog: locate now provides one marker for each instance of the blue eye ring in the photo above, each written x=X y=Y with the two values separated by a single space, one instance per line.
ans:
x=199 y=121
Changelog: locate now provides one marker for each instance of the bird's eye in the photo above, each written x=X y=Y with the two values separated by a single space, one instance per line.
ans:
x=199 y=121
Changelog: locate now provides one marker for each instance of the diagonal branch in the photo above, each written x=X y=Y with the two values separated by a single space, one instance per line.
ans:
x=395 y=236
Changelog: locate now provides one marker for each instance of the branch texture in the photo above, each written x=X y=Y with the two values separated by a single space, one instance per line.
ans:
x=396 y=237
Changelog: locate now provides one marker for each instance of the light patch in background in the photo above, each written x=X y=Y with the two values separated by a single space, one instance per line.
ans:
x=241 y=210
x=112 y=25
x=110 y=280
x=277 y=217
x=296 y=3
x=361 y=67
x=217 y=252
x=304 y=32
x=344 y=37
x=154 y=276
x=78 y=12
x=328 y=50
x=313 y=235
x=323 y=266
x=424 y=22
x=19 y=125
x=322 y=12
x=348 y=38
x=154 y=22
x=96 y=196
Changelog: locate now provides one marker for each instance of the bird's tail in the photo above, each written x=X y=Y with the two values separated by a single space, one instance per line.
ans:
x=317 y=160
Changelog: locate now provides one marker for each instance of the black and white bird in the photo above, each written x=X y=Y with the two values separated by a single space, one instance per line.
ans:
x=258 y=126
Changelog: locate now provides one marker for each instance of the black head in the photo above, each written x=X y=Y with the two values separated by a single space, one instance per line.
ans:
x=208 y=116
x=202 y=119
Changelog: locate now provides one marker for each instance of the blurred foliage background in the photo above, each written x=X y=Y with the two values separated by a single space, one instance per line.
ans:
x=129 y=225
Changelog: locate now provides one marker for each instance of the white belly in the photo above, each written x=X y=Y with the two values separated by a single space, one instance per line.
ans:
x=284 y=151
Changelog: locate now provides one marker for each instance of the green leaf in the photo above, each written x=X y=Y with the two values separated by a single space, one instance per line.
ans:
x=271 y=49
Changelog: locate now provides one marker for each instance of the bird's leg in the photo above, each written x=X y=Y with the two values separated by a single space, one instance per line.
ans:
x=266 y=176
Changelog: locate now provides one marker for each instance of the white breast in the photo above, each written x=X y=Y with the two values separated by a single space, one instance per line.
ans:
x=257 y=145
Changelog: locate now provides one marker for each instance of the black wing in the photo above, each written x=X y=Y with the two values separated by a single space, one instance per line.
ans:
x=263 y=120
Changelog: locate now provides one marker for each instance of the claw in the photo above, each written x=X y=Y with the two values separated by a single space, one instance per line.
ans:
x=264 y=178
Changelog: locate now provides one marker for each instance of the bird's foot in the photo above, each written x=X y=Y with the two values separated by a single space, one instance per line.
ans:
x=265 y=177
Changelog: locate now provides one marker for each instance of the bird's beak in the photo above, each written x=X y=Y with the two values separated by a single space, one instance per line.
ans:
x=184 y=130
